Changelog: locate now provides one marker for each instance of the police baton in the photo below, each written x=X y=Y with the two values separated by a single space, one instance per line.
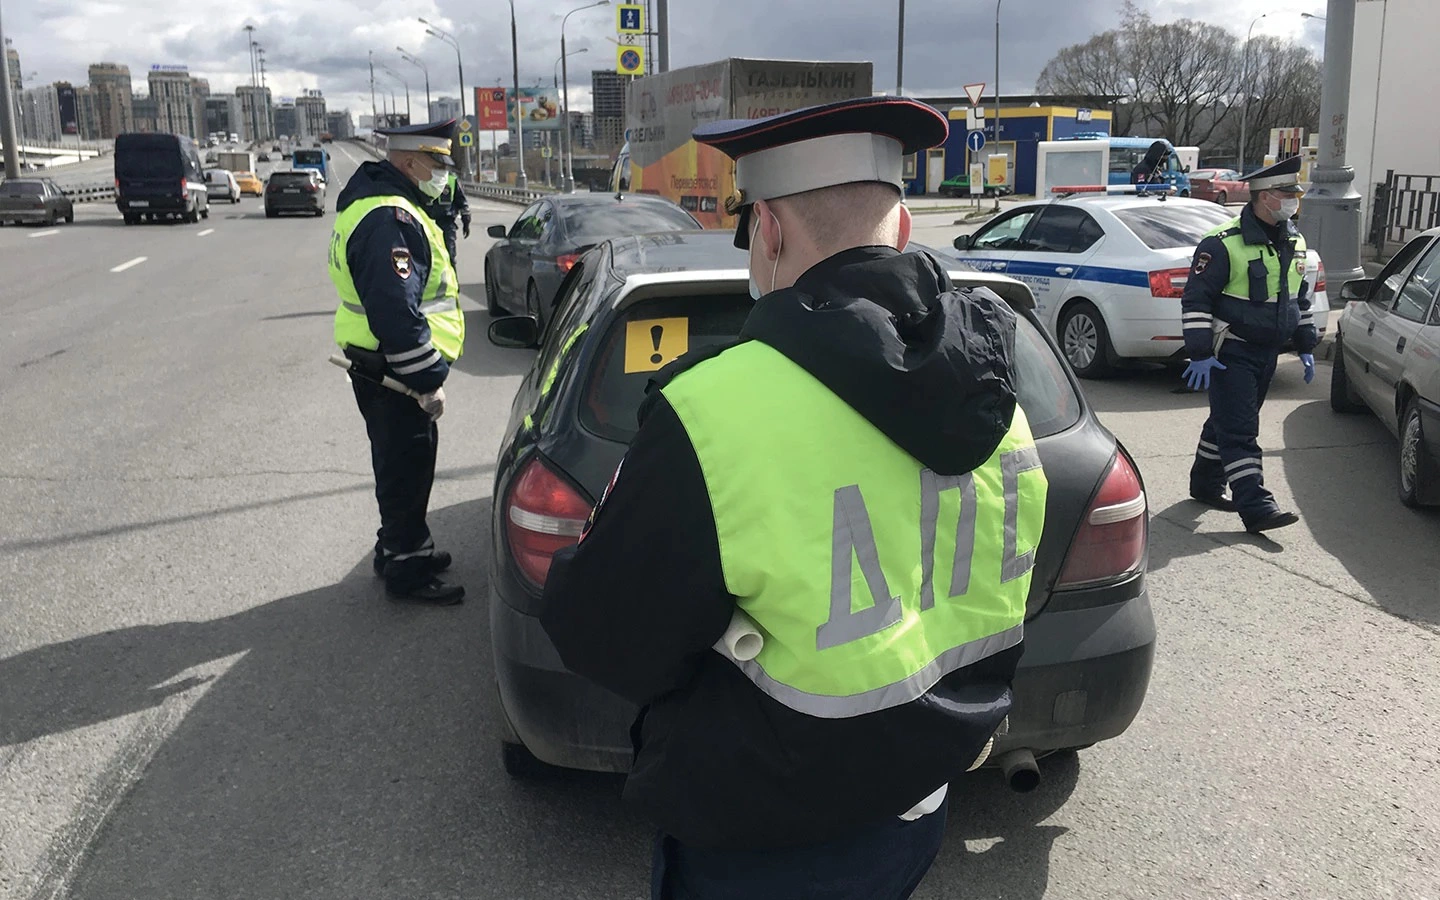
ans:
x=384 y=380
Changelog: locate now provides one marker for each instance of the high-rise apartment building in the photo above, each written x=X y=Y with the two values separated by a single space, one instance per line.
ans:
x=145 y=114
x=39 y=114
x=257 y=117
x=199 y=92
x=224 y=114
x=172 y=89
x=608 y=91
x=444 y=108
x=17 y=78
x=339 y=124
x=114 y=96
x=309 y=115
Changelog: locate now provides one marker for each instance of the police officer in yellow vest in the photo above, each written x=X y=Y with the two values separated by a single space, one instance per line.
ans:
x=853 y=483
x=1245 y=298
x=399 y=315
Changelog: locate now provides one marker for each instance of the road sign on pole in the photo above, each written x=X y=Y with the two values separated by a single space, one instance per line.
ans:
x=465 y=124
x=630 y=60
x=974 y=92
x=629 y=18
x=977 y=179
x=466 y=139
x=975 y=140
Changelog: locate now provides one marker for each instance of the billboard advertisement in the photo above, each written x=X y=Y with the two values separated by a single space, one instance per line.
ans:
x=491 y=105
x=541 y=107
x=69 y=110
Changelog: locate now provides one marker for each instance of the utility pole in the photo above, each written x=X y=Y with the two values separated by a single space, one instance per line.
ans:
x=1332 y=211
x=374 y=121
x=254 y=86
x=900 y=56
x=662 y=38
x=410 y=58
x=7 y=115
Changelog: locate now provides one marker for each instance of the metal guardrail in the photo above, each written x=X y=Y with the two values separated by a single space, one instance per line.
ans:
x=503 y=193
x=90 y=193
x=1408 y=205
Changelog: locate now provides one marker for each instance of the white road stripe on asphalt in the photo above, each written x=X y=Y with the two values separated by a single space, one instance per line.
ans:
x=205 y=232
x=44 y=233
x=132 y=263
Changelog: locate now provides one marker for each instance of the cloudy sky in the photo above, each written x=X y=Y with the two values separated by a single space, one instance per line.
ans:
x=323 y=43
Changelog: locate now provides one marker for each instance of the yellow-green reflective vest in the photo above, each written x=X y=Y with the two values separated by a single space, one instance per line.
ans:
x=1241 y=254
x=869 y=576
x=439 y=304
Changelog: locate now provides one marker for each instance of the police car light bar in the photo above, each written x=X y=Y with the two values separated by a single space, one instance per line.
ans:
x=1113 y=189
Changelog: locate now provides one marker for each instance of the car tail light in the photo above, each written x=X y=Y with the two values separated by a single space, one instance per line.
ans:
x=1169 y=283
x=1319 y=277
x=1110 y=544
x=184 y=188
x=544 y=514
x=567 y=261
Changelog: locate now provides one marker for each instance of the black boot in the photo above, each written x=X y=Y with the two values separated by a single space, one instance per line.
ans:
x=1216 y=500
x=439 y=562
x=429 y=590
x=1275 y=520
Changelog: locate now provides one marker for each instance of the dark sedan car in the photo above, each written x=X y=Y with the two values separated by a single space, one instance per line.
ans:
x=297 y=191
x=524 y=268
x=34 y=200
x=629 y=306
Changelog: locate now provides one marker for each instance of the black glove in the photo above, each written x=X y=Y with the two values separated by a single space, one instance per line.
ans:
x=465 y=224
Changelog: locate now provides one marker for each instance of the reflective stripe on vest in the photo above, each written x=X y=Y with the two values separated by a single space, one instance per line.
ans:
x=1240 y=254
x=439 y=303
x=869 y=576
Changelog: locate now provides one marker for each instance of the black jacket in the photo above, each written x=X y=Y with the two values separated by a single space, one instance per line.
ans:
x=389 y=259
x=637 y=605
x=1268 y=325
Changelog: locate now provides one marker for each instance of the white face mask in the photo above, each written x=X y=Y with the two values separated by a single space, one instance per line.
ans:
x=439 y=180
x=755 y=293
x=1289 y=207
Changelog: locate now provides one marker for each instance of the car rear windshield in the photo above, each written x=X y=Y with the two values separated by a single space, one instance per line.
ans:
x=20 y=189
x=1165 y=226
x=148 y=156
x=618 y=376
x=313 y=157
x=290 y=178
x=590 y=223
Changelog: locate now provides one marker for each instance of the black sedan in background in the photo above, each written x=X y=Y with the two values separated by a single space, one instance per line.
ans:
x=1089 y=631
x=301 y=190
x=524 y=268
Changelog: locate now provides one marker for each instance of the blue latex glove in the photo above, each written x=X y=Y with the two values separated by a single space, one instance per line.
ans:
x=1309 y=360
x=1197 y=374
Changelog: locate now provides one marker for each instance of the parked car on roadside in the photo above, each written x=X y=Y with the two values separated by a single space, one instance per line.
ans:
x=1108 y=270
x=295 y=191
x=525 y=266
x=38 y=200
x=1089 y=630
x=1387 y=360
x=222 y=185
x=1220 y=186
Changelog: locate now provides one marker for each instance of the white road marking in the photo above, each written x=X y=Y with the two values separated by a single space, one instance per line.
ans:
x=205 y=232
x=44 y=233
x=132 y=263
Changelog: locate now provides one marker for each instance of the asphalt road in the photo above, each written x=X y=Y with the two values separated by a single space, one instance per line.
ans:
x=203 y=692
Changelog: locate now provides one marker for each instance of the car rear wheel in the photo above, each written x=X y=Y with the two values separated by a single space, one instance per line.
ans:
x=51 y=218
x=270 y=213
x=1220 y=198
x=519 y=762
x=532 y=305
x=1415 y=472
x=1085 y=341
x=492 y=301
x=70 y=216
x=1343 y=398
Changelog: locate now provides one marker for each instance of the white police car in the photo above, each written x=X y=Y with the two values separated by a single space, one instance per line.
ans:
x=1107 y=270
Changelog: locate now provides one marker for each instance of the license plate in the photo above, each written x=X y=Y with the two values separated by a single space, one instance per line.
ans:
x=139 y=202
x=292 y=190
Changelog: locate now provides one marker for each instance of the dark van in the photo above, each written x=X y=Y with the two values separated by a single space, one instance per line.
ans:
x=159 y=175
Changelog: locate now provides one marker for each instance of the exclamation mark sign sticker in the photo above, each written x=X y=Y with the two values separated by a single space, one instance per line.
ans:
x=650 y=343
x=656 y=332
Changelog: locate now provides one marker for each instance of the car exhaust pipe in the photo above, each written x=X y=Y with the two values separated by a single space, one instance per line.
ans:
x=1020 y=770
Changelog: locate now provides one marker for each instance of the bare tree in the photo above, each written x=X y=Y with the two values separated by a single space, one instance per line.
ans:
x=1284 y=86
x=1100 y=71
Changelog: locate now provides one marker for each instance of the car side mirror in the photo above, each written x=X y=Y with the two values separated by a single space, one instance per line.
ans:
x=515 y=332
x=1187 y=170
x=962 y=242
x=496 y=231
x=1357 y=290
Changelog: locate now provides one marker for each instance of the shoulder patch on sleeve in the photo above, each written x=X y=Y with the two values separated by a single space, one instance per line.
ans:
x=1202 y=262
x=402 y=215
x=400 y=259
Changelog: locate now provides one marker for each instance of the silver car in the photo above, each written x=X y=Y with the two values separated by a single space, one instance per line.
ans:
x=1387 y=359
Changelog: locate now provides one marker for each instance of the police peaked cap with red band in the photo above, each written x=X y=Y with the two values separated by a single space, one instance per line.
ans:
x=1281 y=176
x=432 y=138
x=865 y=139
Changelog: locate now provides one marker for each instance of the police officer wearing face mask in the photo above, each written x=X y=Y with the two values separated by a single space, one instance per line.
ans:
x=853 y=480
x=1246 y=297
x=451 y=206
x=399 y=315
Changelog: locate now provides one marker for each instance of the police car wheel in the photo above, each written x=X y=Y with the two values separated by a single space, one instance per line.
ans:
x=1414 y=476
x=1085 y=341
x=519 y=762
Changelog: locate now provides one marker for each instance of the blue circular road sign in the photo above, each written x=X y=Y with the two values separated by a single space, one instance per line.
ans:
x=975 y=140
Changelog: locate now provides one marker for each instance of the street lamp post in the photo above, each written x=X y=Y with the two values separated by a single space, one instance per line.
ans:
x=997 y=91
x=521 y=181
x=373 y=119
x=900 y=56
x=435 y=31
x=567 y=145
x=424 y=68
x=393 y=74
x=1245 y=93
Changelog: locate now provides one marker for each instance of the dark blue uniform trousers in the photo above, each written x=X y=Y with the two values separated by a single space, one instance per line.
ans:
x=884 y=861
x=403 y=440
x=1229 y=451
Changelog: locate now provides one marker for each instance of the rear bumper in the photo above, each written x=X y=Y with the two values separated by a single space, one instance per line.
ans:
x=154 y=204
x=294 y=204
x=1068 y=693
x=25 y=215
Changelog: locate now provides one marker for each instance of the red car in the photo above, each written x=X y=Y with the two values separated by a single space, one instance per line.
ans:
x=1221 y=186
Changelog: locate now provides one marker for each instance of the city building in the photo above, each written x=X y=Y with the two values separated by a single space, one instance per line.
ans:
x=89 y=113
x=172 y=89
x=39 y=115
x=339 y=125
x=443 y=108
x=17 y=79
x=257 y=115
x=582 y=130
x=309 y=115
x=114 y=97
x=366 y=122
x=199 y=92
x=223 y=114
x=608 y=90
x=286 y=122
x=145 y=114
